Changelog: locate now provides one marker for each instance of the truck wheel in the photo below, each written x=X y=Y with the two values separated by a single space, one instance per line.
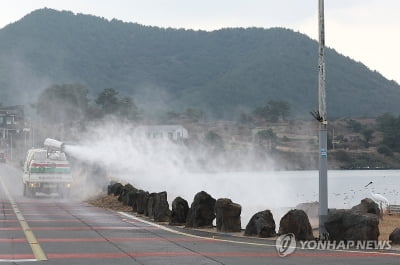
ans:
x=28 y=192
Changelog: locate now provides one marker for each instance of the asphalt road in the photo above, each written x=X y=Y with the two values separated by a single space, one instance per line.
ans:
x=72 y=232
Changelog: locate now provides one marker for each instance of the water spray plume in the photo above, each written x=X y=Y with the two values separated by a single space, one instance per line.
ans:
x=161 y=165
x=157 y=166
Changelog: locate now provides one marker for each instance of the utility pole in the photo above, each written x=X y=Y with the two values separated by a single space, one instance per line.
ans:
x=11 y=146
x=33 y=137
x=323 y=132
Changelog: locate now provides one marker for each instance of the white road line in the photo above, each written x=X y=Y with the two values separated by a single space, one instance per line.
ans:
x=34 y=244
x=17 y=260
x=250 y=243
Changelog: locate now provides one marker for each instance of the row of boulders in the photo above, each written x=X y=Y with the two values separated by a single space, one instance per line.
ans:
x=296 y=221
x=204 y=209
x=359 y=223
x=154 y=205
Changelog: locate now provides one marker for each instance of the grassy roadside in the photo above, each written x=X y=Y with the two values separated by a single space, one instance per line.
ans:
x=387 y=225
x=109 y=202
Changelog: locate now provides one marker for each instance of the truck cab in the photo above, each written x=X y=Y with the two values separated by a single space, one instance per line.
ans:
x=46 y=171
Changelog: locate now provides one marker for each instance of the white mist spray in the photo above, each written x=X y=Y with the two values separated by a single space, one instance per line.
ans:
x=161 y=165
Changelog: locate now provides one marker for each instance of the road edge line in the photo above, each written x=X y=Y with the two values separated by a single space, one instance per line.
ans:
x=191 y=235
x=30 y=236
x=17 y=260
x=250 y=243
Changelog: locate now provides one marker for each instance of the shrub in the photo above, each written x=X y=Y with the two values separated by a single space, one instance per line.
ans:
x=385 y=150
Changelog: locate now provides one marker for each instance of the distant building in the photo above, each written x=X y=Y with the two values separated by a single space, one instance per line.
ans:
x=12 y=123
x=352 y=137
x=176 y=133
x=11 y=120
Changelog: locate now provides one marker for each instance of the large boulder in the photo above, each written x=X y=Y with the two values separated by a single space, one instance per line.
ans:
x=352 y=225
x=161 y=211
x=297 y=223
x=201 y=212
x=109 y=187
x=116 y=188
x=367 y=206
x=148 y=211
x=261 y=224
x=131 y=199
x=141 y=201
x=180 y=209
x=310 y=208
x=395 y=236
x=123 y=196
x=228 y=215
x=134 y=199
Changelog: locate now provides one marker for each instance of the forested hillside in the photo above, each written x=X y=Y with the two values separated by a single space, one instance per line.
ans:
x=223 y=72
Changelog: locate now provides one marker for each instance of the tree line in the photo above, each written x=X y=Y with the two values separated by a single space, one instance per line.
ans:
x=386 y=126
x=70 y=102
x=65 y=103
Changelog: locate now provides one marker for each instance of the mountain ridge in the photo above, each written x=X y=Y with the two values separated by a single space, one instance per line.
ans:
x=224 y=72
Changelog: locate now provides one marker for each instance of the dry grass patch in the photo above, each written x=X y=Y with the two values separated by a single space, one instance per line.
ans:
x=109 y=202
x=387 y=225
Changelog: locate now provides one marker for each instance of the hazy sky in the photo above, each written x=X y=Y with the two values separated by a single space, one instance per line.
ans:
x=365 y=30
